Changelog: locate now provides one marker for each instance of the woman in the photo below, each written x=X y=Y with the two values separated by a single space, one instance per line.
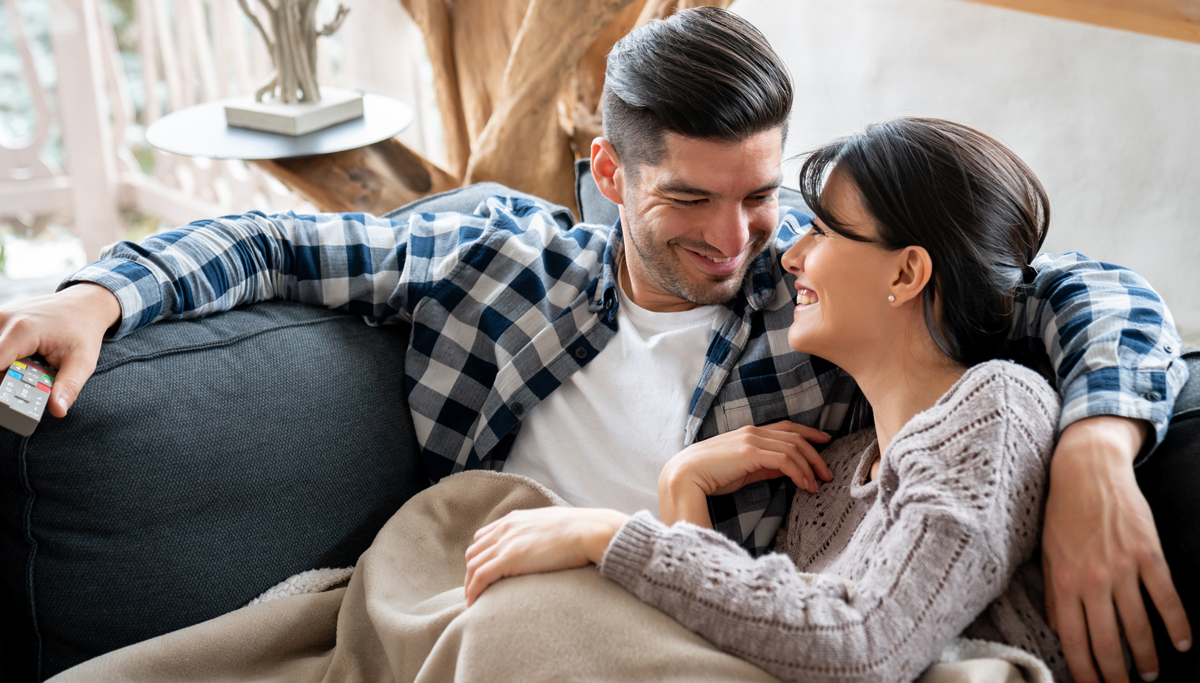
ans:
x=924 y=231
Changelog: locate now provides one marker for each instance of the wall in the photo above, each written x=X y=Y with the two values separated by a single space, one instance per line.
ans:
x=1108 y=119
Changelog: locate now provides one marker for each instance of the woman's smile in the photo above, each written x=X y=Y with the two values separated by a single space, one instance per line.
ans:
x=805 y=296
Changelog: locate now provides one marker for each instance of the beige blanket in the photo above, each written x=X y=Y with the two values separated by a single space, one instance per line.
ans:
x=403 y=617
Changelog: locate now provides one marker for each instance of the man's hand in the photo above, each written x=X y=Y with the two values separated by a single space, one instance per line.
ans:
x=1099 y=546
x=67 y=328
x=536 y=541
x=729 y=461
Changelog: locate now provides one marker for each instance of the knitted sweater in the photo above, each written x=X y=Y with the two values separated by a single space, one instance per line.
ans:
x=894 y=568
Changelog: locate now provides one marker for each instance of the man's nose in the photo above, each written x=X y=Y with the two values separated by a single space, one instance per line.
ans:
x=733 y=231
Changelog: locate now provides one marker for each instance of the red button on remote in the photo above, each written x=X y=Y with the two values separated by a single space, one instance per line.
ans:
x=44 y=388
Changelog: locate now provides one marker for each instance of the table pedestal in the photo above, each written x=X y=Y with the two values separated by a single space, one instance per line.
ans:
x=373 y=179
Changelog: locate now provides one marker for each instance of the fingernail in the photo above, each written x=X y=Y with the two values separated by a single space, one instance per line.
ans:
x=1149 y=676
x=1183 y=645
x=62 y=403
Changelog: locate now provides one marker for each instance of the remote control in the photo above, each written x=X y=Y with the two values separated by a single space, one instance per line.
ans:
x=24 y=393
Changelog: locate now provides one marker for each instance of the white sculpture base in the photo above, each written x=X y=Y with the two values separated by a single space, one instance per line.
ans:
x=336 y=106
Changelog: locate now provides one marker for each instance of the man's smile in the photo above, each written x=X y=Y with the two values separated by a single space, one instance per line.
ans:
x=715 y=265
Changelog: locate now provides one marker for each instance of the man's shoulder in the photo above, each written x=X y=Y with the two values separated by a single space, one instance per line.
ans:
x=793 y=224
x=506 y=239
x=507 y=215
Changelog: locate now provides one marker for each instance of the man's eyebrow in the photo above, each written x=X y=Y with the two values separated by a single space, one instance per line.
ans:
x=769 y=187
x=681 y=187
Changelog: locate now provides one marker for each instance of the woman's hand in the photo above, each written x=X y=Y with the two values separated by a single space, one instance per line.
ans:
x=729 y=461
x=538 y=540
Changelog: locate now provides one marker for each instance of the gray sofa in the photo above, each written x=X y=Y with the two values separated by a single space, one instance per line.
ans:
x=208 y=460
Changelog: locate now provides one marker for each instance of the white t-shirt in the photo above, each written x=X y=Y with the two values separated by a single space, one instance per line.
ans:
x=601 y=439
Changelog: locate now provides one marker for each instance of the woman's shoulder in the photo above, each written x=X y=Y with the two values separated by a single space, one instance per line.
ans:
x=1003 y=388
x=998 y=416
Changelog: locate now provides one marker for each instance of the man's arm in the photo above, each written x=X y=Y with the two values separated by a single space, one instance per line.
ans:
x=353 y=262
x=78 y=317
x=1114 y=350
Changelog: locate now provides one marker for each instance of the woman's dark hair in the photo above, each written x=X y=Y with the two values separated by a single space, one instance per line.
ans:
x=965 y=198
x=700 y=73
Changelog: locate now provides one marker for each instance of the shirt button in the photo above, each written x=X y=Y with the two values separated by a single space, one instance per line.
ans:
x=1169 y=349
x=581 y=353
x=608 y=304
x=517 y=408
x=1153 y=396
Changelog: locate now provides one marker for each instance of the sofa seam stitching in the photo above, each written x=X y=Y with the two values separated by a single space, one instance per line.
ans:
x=210 y=345
x=23 y=457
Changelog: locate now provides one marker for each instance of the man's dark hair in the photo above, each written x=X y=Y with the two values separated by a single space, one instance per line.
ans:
x=979 y=211
x=700 y=73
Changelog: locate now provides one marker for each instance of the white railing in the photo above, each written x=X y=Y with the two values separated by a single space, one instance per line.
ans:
x=188 y=51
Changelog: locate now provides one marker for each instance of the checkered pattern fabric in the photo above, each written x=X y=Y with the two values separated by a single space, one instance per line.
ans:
x=507 y=302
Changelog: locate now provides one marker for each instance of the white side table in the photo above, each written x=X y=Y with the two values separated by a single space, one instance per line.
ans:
x=200 y=131
x=354 y=166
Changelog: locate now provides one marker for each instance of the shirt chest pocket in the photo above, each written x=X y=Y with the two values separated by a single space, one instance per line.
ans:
x=796 y=394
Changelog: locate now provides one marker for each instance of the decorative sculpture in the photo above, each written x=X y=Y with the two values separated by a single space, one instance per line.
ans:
x=293 y=49
x=517 y=107
x=290 y=101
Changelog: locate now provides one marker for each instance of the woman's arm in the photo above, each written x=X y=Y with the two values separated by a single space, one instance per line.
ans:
x=538 y=541
x=938 y=576
x=727 y=462
x=550 y=539
x=956 y=518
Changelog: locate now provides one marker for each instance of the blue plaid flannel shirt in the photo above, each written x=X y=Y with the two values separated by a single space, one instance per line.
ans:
x=507 y=302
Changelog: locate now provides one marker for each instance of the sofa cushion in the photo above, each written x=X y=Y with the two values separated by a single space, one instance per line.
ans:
x=1169 y=479
x=204 y=462
x=596 y=208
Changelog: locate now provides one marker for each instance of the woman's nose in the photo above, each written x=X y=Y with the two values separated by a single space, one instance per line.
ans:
x=793 y=258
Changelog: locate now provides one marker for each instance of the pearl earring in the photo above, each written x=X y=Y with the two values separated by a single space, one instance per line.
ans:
x=891 y=298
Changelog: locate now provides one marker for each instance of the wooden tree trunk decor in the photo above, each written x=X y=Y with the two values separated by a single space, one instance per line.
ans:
x=518 y=85
x=292 y=45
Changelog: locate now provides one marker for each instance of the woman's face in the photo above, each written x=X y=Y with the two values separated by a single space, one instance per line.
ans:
x=842 y=285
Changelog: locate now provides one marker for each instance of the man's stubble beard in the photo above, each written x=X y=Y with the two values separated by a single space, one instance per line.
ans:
x=664 y=267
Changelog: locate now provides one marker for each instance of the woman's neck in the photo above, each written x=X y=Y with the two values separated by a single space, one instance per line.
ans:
x=904 y=379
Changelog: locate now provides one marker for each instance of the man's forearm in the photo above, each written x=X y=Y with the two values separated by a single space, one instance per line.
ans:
x=351 y=262
x=1112 y=437
x=1099 y=546
x=105 y=304
x=1109 y=338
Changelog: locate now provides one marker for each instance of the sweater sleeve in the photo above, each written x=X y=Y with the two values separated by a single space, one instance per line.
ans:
x=952 y=531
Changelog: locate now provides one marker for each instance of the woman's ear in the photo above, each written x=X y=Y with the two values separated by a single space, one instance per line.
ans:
x=607 y=172
x=914 y=268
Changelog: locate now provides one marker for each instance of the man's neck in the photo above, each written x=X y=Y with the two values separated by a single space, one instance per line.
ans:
x=646 y=295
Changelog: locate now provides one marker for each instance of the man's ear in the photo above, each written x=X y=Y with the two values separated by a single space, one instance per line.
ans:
x=913 y=272
x=607 y=171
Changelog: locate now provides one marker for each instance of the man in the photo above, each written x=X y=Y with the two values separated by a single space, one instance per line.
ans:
x=586 y=357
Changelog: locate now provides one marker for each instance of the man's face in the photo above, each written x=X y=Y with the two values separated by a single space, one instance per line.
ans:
x=694 y=222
